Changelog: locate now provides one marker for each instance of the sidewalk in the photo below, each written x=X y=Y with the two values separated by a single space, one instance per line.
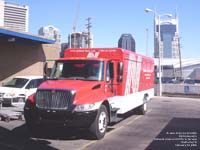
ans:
x=181 y=95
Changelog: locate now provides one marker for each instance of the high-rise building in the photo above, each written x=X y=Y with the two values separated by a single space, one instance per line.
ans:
x=169 y=38
x=14 y=16
x=127 y=41
x=80 y=40
x=50 y=32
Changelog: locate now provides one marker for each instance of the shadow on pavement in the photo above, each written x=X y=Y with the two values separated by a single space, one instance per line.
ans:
x=40 y=139
x=20 y=139
x=179 y=134
x=60 y=133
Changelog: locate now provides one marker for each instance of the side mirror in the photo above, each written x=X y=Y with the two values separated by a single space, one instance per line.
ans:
x=110 y=72
x=120 y=72
x=45 y=70
x=111 y=67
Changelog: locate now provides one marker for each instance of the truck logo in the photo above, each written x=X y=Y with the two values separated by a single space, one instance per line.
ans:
x=53 y=92
x=93 y=55
x=133 y=75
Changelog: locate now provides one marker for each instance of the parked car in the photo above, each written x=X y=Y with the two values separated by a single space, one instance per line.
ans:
x=192 y=81
x=189 y=81
x=17 y=90
x=167 y=80
x=197 y=81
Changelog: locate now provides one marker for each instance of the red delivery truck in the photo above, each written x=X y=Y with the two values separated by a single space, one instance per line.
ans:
x=89 y=87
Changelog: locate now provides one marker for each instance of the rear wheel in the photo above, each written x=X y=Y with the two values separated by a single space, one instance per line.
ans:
x=99 y=126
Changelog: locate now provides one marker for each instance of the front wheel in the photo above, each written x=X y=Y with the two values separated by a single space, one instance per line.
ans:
x=99 y=126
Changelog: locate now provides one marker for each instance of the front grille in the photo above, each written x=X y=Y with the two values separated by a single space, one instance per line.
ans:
x=7 y=101
x=55 y=99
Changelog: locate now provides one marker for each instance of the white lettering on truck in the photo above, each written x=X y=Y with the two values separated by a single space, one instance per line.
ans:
x=133 y=75
x=93 y=55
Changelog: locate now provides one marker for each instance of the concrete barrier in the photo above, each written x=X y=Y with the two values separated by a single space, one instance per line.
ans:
x=186 y=89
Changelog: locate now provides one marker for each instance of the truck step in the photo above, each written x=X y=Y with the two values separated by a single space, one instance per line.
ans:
x=114 y=114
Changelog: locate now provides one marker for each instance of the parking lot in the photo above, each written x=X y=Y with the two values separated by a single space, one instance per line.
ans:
x=171 y=123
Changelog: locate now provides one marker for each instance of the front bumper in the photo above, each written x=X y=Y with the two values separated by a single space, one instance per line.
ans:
x=69 y=119
x=59 y=117
x=14 y=100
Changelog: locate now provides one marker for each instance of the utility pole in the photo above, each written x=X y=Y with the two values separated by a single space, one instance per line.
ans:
x=180 y=61
x=88 y=26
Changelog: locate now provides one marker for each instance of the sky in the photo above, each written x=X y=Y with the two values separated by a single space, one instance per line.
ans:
x=111 y=18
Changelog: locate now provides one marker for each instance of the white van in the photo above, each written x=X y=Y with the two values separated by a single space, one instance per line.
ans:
x=17 y=90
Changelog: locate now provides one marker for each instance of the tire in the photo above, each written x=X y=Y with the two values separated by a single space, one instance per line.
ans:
x=31 y=126
x=30 y=123
x=30 y=116
x=99 y=126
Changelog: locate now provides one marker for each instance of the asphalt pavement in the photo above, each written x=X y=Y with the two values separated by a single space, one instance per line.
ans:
x=171 y=123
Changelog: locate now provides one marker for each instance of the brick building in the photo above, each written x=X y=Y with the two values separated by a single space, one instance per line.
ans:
x=24 y=54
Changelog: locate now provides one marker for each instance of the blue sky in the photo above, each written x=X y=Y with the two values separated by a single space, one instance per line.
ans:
x=111 y=18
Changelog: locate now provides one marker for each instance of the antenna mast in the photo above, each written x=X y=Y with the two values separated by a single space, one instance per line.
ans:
x=88 y=26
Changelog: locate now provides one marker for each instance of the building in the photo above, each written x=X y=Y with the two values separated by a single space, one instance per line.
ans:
x=169 y=38
x=25 y=54
x=14 y=16
x=80 y=40
x=167 y=46
x=189 y=68
x=50 y=32
x=127 y=41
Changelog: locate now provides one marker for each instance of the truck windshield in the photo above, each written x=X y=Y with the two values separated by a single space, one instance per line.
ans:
x=78 y=70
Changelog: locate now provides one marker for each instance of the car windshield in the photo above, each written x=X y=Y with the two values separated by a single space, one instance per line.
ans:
x=189 y=81
x=78 y=70
x=16 y=83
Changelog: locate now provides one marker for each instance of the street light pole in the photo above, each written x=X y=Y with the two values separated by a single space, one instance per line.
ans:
x=156 y=16
x=159 y=59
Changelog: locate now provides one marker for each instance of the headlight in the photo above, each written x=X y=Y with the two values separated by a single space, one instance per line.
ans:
x=86 y=107
x=19 y=99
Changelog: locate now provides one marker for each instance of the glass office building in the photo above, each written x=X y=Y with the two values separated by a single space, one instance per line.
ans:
x=127 y=41
x=169 y=38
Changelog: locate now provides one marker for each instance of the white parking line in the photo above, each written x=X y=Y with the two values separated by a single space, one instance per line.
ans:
x=111 y=132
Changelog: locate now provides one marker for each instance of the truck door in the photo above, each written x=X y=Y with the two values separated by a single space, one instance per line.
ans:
x=110 y=87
